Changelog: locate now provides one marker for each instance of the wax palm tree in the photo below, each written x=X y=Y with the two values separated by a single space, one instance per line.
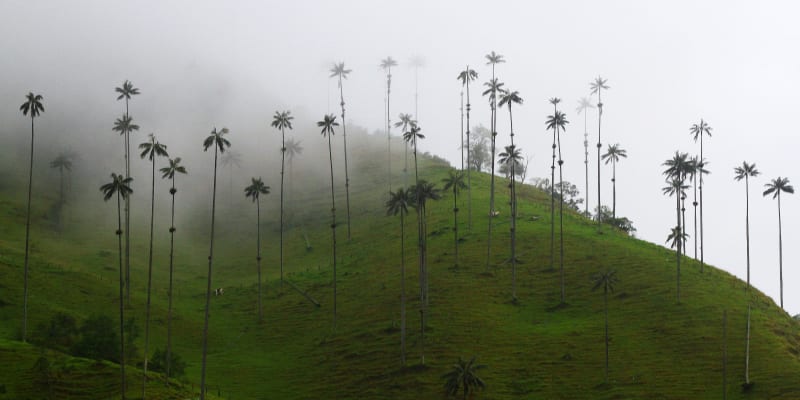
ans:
x=281 y=120
x=557 y=122
x=416 y=62
x=613 y=155
x=254 y=192
x=386 y=65
x=126 y=91
x=680 y=167
x=509 y=97
x=606 y=280
x=466 y=76
x=694 y=171
x=169 y=172
x=455 y=181
x=584 y=104
x=230 y=160
x=463 y=377
x=493 y=87
x=745 y=172
x=293 y=149
x=698 y=131
x=676 y=187
x=597 y=87
x=217 y=140
x=119 y=186
x=61 y=162
x=405 y=121
x=775 y=187
x=510 y=157
x=327 y=124
x=150 y=149
x=33 y=107
x=411 y=136
x=398 y=203
x=340 y=72
x=551 y=123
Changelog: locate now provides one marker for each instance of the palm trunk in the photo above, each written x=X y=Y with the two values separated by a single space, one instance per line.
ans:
x=121 y=307
x=389 y=126
x=605 y=307
x=469 y=166
x=614 y=188
x=283 y=161
x=171 y=259
x=747 y=351
x=27 y=243
x=680 y=243
x=346 y=174
x=553 y=206
x=258 y=256
x=455 y=222
x=513 y=209
x=747 y=231
x=462 y=130
x=333 y=223
x=586 y=157
x=127 y=214
x=208 y=283
x=702 y=262
x=724 y=355
x=402 y=290
x=421 y=250
x=694 y=204
x=561 y=217
x=599 y=144
x=492 y=124
x=780 y=244
x=149 y=279
x=61 y=185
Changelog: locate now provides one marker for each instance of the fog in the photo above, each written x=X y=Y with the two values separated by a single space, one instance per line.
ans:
x=204 y=64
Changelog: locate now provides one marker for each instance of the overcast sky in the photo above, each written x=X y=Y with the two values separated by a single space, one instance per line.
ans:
x=733 y=63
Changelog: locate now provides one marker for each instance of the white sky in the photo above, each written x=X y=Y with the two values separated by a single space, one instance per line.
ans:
x=670 y=63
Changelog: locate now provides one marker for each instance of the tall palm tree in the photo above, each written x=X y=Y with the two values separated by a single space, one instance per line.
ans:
x=598 y=86
x=150 y=149
x=327 y=124
x=169 y=172
x=126 y=91
x=405 y=121
x=416 y=62
x=493 y=87
x=680 y=167
x=694 y=171
x=62 y=162
x=293 y=149
x=340 y=72
x=510 y=157
x=745 y=172
x=606 y=280
x=386 y=65
x=230 y=160
x=398 y=203
x=119 y=186
x=217 y=140
x=281 y=121
x=676 y=187
x=698 y=131
x=455 y=181
x=463 y=377
x=557 y=122
x=421 y=193
x=411 y=136
x=613 y=155
x=466 y=76
x=584 y=104
x=33 y=107
x=125 y=126
x=775 y=188
x=254 y=191
x=554 y=126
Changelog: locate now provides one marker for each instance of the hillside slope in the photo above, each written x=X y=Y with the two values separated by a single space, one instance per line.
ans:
x=535 y=348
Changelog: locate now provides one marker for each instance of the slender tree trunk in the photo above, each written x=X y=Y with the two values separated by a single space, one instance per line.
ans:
x=388 y=125
x=553 y=206
x=513 y=210
x=208 y=283
x=402 y=289
x=421 y=250
x=346 y=174
x=561 y=217
x=747 y=351
x=680 y=243
x=127 y=213
x=121 y=307
x=171 y=261
x=702 y=259
x=462 y=130
x=747 y=231
x=586 y=157
x=27 y=243
x=599 y=144
x=614 y=188
x=780 y=243
x=724 y=355
x=283 y=161
x=605 y=307
x=455 y=222
x=258 y=255
x=61 y=185
x=694 y=204
x=469 y=164
x=333 y=223
x=492 y=124
x=149 y=279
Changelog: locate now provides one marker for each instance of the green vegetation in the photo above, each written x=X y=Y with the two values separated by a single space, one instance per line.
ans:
x=535 y=347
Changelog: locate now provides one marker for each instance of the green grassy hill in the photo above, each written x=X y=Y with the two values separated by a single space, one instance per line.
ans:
x=533 y=349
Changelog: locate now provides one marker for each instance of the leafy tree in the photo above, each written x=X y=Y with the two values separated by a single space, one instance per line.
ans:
x=698 y=131
x=398 y=203
x=597 y=86
x=510 y=157
x=775 y=187
x=613 y=155
x=386 y=65
x=606 y=280
x=254 y=192
x=493 y=87
x=463 y=377
x=479 y=150
x=59 y=333
x=126 y=91
x=557 y=122
x=466 y=76
x=584 y=104
x=33 y=107
x=150 y=149
x=327 y=124
x=217 y=140
x=340 y=72
x=162 y=360
x=745 y=172
x=621 y=223
x=281 y=121
x=119 y=186
x=97 y=339
x=169 y=172
x=455 y=181
x=676 y=188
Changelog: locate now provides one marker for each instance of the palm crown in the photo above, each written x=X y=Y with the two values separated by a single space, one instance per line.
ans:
x=125 y=125
x=327 y=124
x=507 y=96
x=454 y=180
x=492 y=87
x=339 y=71
x=678 y=166
x=463 y=375
x=614 y=153
x=675 y=185
x=494 y=58
x=153 y=148
x=126 y=91
x=778 y=185
x=746 y=170
x=232 y=159
x=405 y=121
x=606 y=280
x=675 y=236
x=424 y=191
x=598 y=84
x=413 y=134
x=32 y=105
x=557 y=120
x=388 y=63
x=217 y=138
x=62 y=161
x=699 y=129
x=256 y=188
x=118 y=185
x=173 y=168
x=282 y=120
x=293 y=148
x=467 y=75
x=583 y=105
x=398 y=202
x=511 y=155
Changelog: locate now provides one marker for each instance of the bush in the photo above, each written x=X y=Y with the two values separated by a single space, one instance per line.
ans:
x=60 y=334
x=158 y=363
x=98 y=340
